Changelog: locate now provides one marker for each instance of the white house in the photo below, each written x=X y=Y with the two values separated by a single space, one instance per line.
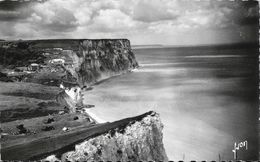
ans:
x=33 y=67
x=57 y=61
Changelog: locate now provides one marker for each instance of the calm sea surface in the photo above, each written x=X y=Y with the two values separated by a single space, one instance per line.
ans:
x=206 y=97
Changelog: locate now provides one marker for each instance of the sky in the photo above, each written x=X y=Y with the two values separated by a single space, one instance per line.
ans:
x=168 y=22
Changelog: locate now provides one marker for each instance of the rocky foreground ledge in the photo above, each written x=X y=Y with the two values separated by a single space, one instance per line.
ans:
x=137 y=138
x=132 y=139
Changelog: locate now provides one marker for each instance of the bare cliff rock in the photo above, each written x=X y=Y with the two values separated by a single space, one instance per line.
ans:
x=138 y=141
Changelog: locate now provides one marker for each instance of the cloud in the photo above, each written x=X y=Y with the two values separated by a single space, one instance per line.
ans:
x=13 y=5
x=154 y=10
x=51 y=16
x=7 y=29
x=12 y=15
x=123 y=18
x=112 y=20
x=248 y=15
x=13 y=11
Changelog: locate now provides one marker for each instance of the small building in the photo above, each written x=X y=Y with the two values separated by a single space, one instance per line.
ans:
x=58 y=49
x=33 y=67
x=46 y=54
x=57 y=61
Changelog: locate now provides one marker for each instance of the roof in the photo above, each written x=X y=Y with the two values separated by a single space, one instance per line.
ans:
x=34 y=64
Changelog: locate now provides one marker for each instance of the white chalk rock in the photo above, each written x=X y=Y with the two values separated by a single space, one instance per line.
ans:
x=65 y=129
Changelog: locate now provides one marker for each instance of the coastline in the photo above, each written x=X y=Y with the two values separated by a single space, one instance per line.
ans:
x=89 y=111
x=93 y=116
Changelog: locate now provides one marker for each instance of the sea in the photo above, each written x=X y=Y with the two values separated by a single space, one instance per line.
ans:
x=207 y=98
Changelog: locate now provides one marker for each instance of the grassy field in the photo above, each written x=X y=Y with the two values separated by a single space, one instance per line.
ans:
x=19 y=100
x=29 y=112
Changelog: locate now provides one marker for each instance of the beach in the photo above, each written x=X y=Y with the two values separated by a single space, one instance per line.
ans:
x=93 y=116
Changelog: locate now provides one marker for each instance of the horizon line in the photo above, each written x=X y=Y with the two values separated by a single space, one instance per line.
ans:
x=149 y=45
x=191 y=45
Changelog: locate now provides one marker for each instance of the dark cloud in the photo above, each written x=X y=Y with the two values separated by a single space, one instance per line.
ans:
x=251 y=14
x=14 y=15
x=31 y=18
x=252 y=20
x=243 y=12
x=15 y=10
x=9 y=5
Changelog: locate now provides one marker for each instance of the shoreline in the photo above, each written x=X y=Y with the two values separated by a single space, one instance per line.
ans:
x=88 y=111
x=93 y=116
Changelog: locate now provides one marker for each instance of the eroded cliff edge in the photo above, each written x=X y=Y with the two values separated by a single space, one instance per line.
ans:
x=134 y=139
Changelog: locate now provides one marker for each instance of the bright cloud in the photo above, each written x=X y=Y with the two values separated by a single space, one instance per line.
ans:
x=155 y=10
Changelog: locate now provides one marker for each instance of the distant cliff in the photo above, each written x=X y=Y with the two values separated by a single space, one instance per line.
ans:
x=80 y=61
x=137 y=141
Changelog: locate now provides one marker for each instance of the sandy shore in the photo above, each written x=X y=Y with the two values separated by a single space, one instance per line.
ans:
x=91 y=112
x=94 y=116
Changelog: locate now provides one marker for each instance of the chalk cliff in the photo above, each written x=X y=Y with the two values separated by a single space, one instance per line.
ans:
x=100 y=59
x=137 y=141
x=80 y=61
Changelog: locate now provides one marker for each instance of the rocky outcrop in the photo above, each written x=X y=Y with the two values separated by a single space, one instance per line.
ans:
x=100 y=59
x=71 y=98
x=138 y=141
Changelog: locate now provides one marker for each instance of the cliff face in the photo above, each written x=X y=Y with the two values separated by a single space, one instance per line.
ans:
x=101 y=59
x=139 y=141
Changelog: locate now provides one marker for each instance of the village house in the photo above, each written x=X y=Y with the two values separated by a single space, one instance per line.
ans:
x=46 y=54
x=57 y=61
x=33 y=67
